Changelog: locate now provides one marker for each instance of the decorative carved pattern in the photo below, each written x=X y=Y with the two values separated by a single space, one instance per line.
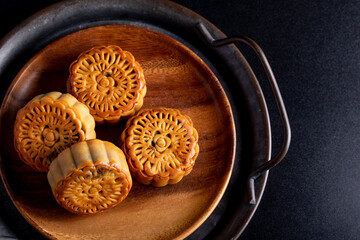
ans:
x=109 y=81
x=161 y=145
x=96 y=178
x=47 y=125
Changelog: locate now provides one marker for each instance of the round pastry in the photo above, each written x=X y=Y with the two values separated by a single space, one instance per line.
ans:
x=109 y=81
x=47 y=125
x=161 y=146
x=90 y=177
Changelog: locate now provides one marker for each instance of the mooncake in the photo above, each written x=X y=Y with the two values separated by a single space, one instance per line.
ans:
x=109 y=81
x=161 y=146
x=90 y=177
x=47 y=125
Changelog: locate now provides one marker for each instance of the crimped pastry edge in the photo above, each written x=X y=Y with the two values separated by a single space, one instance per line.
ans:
x=74 y=158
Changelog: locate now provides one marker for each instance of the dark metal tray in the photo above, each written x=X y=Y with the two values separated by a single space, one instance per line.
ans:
x=253 y=133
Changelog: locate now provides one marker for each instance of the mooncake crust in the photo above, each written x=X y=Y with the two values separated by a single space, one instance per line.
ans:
x=47 y=125
x=161 y=146
x=109 y=81
x=90 y=177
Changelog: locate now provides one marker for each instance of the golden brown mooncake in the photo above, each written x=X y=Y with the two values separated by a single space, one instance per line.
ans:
x=109 y=81
x=47 y=125
x=90 y=177
x=161 y=146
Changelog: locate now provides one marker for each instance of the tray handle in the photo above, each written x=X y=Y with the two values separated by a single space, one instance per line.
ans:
x=278 y=100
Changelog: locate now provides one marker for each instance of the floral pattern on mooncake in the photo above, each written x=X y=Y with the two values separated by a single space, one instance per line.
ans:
x=47 y=125
x=109 y=81
x=161 y=146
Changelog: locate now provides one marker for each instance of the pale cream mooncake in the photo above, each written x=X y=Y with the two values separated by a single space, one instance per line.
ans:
x=161 y=146
x=109 y=81
x=90 y=177
x=47 y=125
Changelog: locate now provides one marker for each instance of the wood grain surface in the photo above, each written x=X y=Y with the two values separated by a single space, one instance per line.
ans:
x=176 y=78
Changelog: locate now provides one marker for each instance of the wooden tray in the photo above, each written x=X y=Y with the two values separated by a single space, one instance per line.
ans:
x=177 y=78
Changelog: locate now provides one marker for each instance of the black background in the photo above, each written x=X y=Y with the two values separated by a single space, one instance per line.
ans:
x=314 y=50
